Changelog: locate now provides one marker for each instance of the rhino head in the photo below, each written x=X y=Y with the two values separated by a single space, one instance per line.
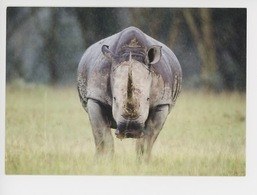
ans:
x=131 y=81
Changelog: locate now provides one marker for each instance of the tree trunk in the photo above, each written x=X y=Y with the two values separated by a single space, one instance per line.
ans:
x=174 y=31
x=203 y=39
x=208 y=41
x=51 y=46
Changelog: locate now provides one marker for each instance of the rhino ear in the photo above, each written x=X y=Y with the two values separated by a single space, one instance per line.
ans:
x=107 y=52
x=154 y=54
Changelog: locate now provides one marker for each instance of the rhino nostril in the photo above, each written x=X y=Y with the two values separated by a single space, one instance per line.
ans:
x=133 y=117
x=117 y=132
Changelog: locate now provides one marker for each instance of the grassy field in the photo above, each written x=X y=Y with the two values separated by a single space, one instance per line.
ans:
x=48 y=132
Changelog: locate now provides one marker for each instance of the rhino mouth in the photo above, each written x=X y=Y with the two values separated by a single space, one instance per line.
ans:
x=129 y=129
x=129 y=134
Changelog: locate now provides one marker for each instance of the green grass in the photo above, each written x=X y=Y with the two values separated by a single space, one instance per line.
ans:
x=48 y=132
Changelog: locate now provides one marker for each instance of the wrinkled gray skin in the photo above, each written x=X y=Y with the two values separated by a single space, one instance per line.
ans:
x=128 y=82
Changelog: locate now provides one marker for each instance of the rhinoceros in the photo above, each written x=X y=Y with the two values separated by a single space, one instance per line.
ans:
x=129 y=82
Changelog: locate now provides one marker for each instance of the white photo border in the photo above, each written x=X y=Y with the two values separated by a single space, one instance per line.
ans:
x=14 y=184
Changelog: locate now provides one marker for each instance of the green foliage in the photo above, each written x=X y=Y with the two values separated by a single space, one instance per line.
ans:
x=48 y=132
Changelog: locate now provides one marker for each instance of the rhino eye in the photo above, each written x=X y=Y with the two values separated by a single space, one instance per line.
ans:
x=114 y=98
x=148 y=99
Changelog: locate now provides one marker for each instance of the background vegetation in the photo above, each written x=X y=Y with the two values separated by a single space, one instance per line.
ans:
x=44 y=45
x=47 y=130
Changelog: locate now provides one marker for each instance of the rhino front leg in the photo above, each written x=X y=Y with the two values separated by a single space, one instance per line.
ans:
x=101 y=128
x=153 y=127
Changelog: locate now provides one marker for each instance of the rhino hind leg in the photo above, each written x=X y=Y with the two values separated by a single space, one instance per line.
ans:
x=153 y=127
x=101 y=128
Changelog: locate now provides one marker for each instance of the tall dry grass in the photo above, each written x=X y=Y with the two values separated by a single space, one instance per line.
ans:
x=48 y=132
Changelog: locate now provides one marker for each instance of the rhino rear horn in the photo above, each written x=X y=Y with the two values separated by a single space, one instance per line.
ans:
x=154 y=54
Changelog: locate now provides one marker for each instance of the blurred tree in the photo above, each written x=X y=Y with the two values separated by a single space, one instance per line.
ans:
x=203 y=37
x=16 y=18
x=230 y=38
x=46 y=44
x=96 y=23
x=152 y=21
x=51 y=45
x=174 y=29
